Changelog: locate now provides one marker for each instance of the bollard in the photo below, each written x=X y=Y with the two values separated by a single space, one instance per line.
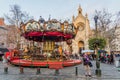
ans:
x=21 y=70
x=56 y=71
x=5 y=70
x=38 y=71
x=76 y=71
x=98 y=72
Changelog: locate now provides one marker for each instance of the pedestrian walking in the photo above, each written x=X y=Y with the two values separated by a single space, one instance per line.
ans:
x=5 y=61
x=87 y=64
x=111 y=58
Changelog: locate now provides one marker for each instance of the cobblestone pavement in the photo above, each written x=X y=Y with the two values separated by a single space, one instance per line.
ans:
x=109 y=72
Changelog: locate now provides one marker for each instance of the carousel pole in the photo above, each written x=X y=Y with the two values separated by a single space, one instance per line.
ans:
x=21 y=68
x=42 y=43
x=61 y=50
x=32 y=55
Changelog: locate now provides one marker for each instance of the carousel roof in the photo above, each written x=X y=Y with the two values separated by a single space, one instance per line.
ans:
x=49 y=30
x=42 y=36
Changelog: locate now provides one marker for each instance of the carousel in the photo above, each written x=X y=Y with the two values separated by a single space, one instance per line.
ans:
x=46 y=41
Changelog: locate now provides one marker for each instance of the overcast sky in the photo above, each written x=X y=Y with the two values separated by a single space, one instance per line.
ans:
x=59 y=9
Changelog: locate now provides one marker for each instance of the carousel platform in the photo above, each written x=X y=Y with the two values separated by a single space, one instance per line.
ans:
x=30 y=63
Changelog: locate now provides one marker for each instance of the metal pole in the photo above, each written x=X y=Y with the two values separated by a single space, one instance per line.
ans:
x=57 y=71
x=21 y=70
x=76 y=71
x=38 y=71
x=96 y=30
x=98 y=70
x=6 y=70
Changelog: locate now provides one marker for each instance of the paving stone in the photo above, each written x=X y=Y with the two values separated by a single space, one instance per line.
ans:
x=109 y=72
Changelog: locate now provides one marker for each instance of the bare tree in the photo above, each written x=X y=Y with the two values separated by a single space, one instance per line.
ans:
x=16 y=17
x=104 y=21
x=11 y=38
x=115 y=34
x=108 y=25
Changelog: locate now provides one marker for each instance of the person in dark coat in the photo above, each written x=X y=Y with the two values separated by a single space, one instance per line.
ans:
x=86 y=64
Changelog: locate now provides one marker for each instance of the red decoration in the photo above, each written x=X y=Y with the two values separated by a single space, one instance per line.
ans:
x=48 y=35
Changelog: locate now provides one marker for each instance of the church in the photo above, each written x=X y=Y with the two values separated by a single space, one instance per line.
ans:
x=84 y=32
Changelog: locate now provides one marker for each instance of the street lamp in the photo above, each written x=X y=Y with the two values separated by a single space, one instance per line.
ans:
x=98 y=70
x=96 y=20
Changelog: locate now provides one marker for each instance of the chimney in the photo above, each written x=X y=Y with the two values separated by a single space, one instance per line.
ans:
x=2 y=22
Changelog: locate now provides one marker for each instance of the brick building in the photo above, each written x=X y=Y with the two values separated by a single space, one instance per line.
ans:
x=7 y=35
x=3 y=33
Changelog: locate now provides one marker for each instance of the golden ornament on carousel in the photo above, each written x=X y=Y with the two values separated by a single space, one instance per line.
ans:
x=60 y=50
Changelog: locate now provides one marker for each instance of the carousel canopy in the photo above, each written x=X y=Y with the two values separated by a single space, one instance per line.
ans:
x=42 y=36
x=47 y=30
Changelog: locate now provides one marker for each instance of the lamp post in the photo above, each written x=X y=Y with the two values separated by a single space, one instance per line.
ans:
x=96 y=20
x=98 y=70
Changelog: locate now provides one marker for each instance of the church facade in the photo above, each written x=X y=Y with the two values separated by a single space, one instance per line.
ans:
x=84 y=32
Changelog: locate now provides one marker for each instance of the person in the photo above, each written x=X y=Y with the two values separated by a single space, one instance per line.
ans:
x=5 y=61
x=87 y=64
x=111 y=58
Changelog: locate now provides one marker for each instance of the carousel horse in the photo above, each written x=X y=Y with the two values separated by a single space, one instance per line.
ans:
x=67 y=54
x=55 y=53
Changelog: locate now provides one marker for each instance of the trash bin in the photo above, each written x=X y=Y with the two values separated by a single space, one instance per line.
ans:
x=117 y=63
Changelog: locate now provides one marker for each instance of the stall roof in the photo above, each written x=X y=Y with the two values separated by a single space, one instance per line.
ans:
x=3 y=50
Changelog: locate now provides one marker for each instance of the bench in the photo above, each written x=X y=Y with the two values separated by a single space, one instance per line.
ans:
x=56 y=67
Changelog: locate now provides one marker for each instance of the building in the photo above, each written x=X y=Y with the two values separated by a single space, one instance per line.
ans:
x=3 y=33
x=84 y=32
x=115 y=43
x=7 y=35
x=113 y=40
x=12 y=36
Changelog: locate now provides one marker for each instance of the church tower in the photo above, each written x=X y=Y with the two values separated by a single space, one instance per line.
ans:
x=83 y=30
x=79 y=10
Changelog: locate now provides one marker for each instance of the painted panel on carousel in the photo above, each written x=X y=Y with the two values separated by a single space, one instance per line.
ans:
x=32 y=26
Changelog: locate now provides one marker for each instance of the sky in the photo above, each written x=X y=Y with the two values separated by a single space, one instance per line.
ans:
x=60 y=9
